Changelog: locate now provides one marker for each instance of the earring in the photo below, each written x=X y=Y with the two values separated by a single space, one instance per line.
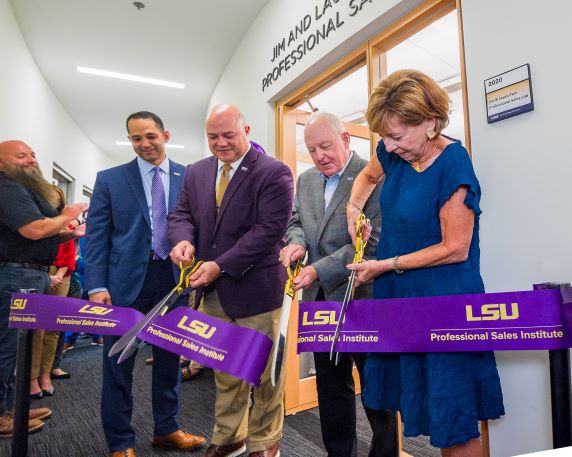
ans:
x=431 y=134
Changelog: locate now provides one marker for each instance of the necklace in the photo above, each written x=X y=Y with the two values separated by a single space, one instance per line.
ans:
x=416 y=164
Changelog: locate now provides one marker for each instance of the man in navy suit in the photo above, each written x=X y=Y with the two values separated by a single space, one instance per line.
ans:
x=233 y=212
x=127 y=264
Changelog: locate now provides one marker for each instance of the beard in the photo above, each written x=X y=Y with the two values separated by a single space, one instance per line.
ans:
x=32 y=179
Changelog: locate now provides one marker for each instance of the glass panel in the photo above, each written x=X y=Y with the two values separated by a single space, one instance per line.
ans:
x=347 y=98
x=435 y=51
x=360 y=146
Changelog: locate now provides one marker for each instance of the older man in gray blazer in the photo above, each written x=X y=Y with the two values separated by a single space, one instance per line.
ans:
x=318 y=226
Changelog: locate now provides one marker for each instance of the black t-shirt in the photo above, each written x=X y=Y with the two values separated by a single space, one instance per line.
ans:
x=20 y=206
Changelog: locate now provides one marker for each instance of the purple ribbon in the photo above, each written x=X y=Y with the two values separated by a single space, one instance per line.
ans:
x=238 y=351
x=529 y=320
x=50 y=312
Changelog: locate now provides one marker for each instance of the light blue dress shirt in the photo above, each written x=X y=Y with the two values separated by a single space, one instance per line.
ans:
x=332 y=183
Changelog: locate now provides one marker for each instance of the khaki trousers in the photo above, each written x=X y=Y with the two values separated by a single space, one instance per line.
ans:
x=233 y=423
x=45 y=342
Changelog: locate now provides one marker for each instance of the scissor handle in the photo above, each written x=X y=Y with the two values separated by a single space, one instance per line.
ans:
x=297 y=267
x=187 y=271
x=289 y=287
x=360 y=243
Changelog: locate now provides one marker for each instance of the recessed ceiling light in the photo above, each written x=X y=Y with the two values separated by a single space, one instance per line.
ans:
x=167 y=145
x=140 y=79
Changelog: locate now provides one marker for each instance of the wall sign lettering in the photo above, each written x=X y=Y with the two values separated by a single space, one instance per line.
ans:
x=509 y=94
x=307 y=34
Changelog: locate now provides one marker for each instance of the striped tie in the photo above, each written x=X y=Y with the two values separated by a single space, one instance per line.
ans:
x=159 y=211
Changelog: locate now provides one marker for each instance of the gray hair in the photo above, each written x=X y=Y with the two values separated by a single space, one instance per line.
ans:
x=331 y=119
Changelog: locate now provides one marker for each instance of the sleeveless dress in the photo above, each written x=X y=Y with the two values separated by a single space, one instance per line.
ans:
x=442 y=395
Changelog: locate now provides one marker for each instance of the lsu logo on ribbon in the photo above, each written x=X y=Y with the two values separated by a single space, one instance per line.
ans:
x=19 y=303
x=320 y=318
x=99 y=310
x=493 y=312
x=197 y=327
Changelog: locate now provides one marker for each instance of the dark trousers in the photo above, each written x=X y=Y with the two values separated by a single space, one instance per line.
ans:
x=12 y=280
x=337 y=406
x=116 y=397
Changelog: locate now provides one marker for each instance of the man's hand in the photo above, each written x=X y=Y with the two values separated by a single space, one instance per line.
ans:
x=79 y=231
x=291 y=253
x=183 y=252
x=101 y=297
x=206 y=274
x=71 y=212
x=305 y=278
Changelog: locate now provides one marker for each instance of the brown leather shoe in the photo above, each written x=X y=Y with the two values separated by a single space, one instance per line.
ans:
x=179 y=440
x=7 y=426
x=36 y=413
x=40 y=413
x=130 y=452
x=188 y=373
x=226 y=450
x=274 y=451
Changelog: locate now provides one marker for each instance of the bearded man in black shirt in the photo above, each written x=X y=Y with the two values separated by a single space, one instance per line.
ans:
x=30 y=232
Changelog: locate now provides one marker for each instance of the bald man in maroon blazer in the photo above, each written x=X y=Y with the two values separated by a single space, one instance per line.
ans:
x=232 y=214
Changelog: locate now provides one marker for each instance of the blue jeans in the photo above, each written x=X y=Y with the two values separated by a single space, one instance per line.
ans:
x=12 y=280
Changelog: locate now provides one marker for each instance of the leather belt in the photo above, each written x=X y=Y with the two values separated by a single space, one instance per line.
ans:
x=30 y=266
x=152 y=254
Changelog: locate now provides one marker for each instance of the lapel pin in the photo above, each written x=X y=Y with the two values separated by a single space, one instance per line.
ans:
x=244 y=168
x=350 y=178
x=176 y=173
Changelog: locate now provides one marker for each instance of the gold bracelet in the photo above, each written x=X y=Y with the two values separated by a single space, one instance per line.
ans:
x=354 y=204
x=398 y=271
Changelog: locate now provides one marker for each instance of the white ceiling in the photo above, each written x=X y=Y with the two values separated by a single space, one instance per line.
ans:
x=185 y=41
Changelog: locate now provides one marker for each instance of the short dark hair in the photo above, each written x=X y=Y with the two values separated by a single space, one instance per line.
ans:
x=145 y=115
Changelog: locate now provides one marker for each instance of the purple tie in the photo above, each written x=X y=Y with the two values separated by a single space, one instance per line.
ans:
x=159 y=211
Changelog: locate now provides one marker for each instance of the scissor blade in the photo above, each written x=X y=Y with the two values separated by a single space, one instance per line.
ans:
x=130 y=338
x=168 y=301
x=347 y=298
x=280 y=342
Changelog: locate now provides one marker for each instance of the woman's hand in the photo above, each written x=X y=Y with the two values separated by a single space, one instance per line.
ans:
x=352 y=215
x=367 y=271
x=55 y=281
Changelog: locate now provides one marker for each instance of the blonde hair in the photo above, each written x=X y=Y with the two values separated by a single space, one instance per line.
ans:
x=411 y=97
x=58 y=199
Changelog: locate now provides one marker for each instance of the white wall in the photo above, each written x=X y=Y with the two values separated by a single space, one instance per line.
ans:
x=30 y=112
x=523 y=163
x=524 y=167
x=241 y=82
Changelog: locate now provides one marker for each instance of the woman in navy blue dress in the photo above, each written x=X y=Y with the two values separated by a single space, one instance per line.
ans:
x=429 y=246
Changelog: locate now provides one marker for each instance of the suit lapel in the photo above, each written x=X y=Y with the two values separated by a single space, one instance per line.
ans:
x=209 y=185
x=175 y=183
x=133 y=178
x=317 y=189
x=342 y=191
x=238 y=178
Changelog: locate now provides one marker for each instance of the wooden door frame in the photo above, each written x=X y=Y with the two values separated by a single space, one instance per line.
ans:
x=286 y=117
